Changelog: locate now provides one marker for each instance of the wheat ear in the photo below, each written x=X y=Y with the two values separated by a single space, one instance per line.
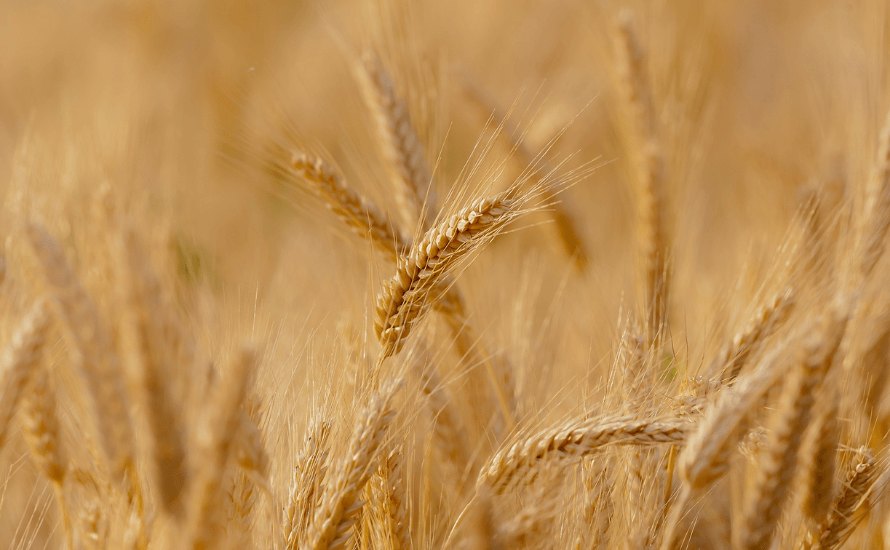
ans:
x=308 y=479
x=786 y=427
x=404 y=299
x=631 y=67
x=340 y=505
x=818 y=455
x=216 y=441
x=356 y=211
x=20 y=358
x=40 y=426
x=142 y=332
x=706 y=454
x=846 y=510
x=400 y=145
x=735 y=354
x=90 y=349
x=570 y=442
x=876 y=220
x=389 y=505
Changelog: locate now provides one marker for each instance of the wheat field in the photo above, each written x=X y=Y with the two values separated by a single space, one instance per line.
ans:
x=410 y=275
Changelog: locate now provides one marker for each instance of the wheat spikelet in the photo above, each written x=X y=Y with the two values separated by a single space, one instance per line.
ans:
x=216 y=440
x=148 y=355
x=631 y=67
x=90 y=349
x=786 y=427
x=356 y=211
x=844 y=513
x=20 y=358
x=339 y=506
x=401 y=147
x=570 y=442
x=306 y=489
x=404 y=298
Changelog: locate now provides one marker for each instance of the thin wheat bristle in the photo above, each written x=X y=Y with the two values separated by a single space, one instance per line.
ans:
x=572 y=441
x=399 y=142
x=356 y=211
x=564 y=219
x=20 y=359
x=90 y=349
x=339 y=506
x=449 y=437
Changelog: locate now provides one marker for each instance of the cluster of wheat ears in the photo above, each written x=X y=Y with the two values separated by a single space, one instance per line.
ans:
x=135 y=411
